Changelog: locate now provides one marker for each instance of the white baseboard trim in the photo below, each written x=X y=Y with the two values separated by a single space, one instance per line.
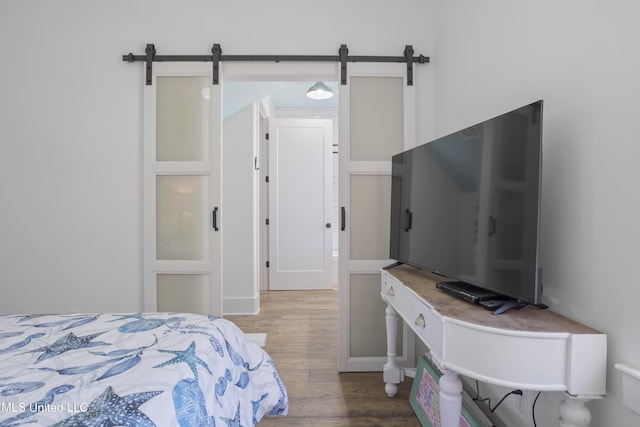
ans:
x=258 y=338
x=241 y=305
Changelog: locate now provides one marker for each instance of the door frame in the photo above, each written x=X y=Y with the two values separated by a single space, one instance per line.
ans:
x=266 y=112
x=265 y=72
x=289 y=71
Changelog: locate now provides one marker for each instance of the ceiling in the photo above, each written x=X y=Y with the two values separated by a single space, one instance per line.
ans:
x=236 y=95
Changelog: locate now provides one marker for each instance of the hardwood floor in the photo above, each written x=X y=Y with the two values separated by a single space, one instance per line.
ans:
x=302 y=339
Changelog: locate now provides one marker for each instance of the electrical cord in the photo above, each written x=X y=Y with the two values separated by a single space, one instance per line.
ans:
x=477 y=398
x=533 y=409
x=488 y=400
x=518 y=392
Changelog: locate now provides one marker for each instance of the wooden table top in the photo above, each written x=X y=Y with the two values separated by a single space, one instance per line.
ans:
x=529 y=318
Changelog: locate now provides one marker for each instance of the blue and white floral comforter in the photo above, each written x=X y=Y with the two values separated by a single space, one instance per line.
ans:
x=138 y=370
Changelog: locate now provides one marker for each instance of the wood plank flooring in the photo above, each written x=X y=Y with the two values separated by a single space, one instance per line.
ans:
x=302 y=339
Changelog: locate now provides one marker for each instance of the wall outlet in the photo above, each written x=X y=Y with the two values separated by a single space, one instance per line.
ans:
x=525 y=402
x=518 y=402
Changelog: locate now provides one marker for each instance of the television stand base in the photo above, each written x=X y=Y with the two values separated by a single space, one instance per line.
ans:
x=512 y=304
x=395 y=264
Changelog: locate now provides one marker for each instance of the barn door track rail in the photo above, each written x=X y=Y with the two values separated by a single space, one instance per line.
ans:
x=216 y=57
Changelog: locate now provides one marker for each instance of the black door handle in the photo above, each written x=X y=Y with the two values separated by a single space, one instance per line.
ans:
x=214 y=220
x=343 y=218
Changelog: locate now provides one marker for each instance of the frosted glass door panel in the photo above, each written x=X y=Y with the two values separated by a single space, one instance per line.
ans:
x=370 y=216
x=182 y=122
x=182 y=217
x=377 y=118
x=186 y=293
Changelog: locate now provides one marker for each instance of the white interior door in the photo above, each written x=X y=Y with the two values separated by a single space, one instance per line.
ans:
x=182 y=137
x=300 y=196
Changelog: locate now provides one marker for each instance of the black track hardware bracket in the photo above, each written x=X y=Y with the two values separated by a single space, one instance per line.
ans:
x=216 y=50
x=150 y=52
x=344 y=55
x=216 y=57
x=408 y=57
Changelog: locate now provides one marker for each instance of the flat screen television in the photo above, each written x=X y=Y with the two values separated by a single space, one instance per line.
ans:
x=467 y=205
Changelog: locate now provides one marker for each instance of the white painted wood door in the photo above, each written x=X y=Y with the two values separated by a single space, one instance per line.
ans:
x=377 y=110
x=182 y=217
x=300 y=196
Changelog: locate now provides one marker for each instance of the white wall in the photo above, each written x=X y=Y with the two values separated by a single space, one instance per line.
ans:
x=71 y=133
x=71 y=123
x=582 y=58
x=240 y=186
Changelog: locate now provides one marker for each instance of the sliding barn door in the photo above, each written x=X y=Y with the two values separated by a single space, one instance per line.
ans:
x=182 y=137
x=376 y=122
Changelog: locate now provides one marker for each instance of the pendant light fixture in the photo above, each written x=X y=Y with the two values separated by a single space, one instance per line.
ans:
x=319 y=91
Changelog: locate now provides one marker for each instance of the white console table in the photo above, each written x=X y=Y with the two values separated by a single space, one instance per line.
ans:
x=528 y=349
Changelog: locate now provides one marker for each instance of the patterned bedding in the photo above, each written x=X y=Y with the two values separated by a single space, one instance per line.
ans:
x=138 y=370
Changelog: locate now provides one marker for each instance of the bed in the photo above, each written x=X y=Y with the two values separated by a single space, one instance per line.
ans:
x=140 y=369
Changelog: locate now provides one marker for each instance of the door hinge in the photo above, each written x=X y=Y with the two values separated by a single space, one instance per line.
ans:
x=266 y=221
x=267 y=264
x=266 y=178
x=266 y=135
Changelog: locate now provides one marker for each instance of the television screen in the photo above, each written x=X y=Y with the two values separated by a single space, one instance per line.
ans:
x=467 y=205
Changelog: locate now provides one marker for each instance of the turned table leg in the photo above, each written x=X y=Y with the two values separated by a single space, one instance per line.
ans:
x=392 y=372
x=450 y=399
x=574 y=413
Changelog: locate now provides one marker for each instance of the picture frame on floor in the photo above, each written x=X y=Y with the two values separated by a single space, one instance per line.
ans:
x=425 y=398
